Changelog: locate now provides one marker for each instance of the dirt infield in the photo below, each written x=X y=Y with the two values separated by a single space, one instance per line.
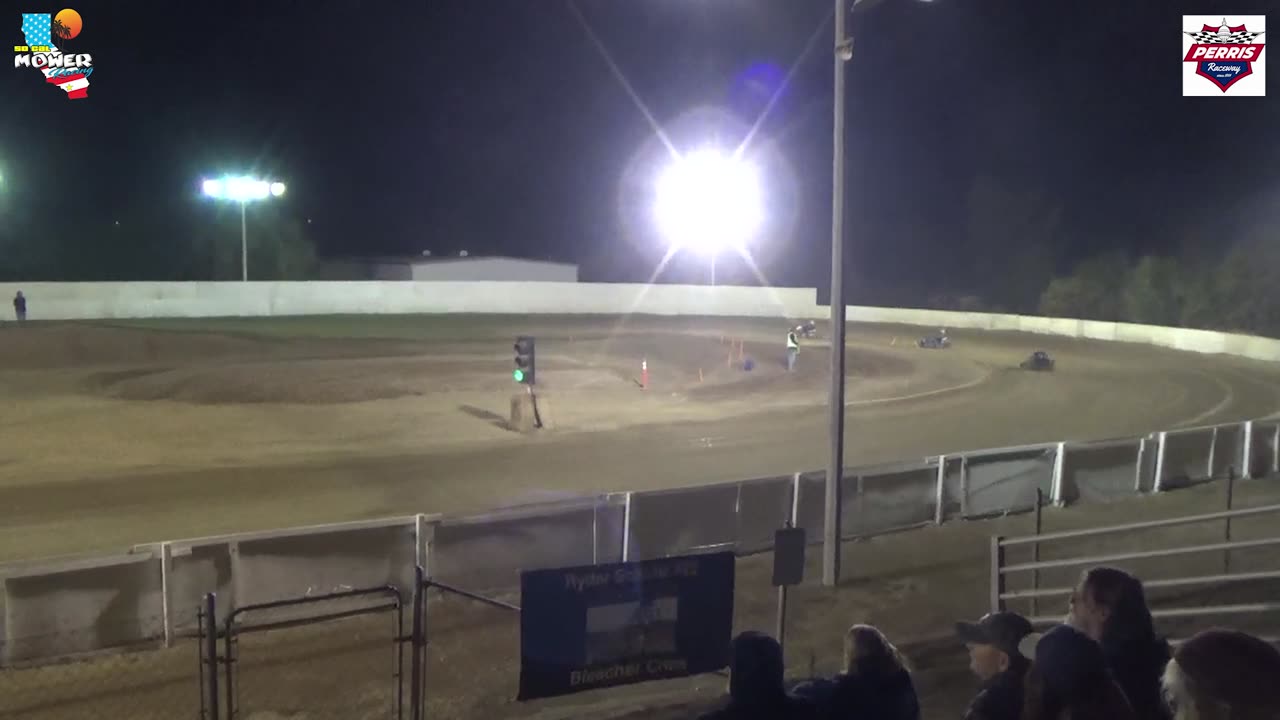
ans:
x=121 y=433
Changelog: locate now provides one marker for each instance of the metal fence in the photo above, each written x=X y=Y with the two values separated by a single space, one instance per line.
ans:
x=148 y=596
x=286 y=658
x=1204 y=558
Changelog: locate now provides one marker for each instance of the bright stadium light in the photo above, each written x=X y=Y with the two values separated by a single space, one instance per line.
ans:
x=709 y=202
x=242 y=190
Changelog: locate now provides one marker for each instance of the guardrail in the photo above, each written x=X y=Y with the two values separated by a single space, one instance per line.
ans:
x=1001 y=570
x=149 y=595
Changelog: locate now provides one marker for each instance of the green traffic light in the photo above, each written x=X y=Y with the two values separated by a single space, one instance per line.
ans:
x=518 y=375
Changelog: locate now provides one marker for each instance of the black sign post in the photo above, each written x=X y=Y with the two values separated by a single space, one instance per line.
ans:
x=598 y=626
x=788 y=569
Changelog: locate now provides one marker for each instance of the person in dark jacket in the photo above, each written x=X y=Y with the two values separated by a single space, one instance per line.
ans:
x=1110 y=606
x=756 y=684
x=20 y=306
x=994 y=657
x=1069 y=679
x=875 y=684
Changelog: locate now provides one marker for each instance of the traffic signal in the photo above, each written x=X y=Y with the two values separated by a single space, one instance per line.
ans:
x=526 y=363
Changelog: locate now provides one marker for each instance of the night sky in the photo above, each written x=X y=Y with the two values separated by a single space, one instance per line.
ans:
x=496 y=126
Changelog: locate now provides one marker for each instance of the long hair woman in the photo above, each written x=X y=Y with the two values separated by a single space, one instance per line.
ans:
x=876 y=682
x=1110 y=606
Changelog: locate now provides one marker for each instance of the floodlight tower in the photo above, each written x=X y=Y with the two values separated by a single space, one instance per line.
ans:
x=708 y=202
x=242 y=190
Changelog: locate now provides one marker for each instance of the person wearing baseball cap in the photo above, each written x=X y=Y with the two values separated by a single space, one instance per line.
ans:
x=994 y=657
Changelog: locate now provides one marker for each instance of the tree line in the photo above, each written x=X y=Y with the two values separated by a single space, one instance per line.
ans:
x=1213 y=271
x=1235 y=292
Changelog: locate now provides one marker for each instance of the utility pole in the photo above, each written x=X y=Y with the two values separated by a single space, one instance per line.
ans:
x=835 y=468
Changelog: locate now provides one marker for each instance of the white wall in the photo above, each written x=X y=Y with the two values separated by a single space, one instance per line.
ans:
x=494 y=270
x=1201 y=341
x=70 y=301
x=75 y=301
x=385 y=271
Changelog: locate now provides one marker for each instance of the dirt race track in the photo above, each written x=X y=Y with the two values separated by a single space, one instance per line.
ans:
x=122 y=433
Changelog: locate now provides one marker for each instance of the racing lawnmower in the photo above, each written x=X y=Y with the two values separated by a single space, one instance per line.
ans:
x=934 y=342
x=1038 y=361
x=806 y=329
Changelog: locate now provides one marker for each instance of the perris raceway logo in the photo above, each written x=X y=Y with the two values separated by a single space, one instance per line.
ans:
x=48 y=49
x=1223 y=57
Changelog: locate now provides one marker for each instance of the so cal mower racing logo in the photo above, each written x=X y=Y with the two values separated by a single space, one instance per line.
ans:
x=1223 y=53
x=47 y=49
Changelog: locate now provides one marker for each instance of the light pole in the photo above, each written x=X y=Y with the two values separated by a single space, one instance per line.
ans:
x=242 y=190
x=835 y=465
x=708 y=201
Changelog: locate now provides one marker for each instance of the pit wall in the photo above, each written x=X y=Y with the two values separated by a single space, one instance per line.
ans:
x=88 y=301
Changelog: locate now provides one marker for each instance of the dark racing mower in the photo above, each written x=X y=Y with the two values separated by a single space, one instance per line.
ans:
x=934 y=342
x=1038 y=361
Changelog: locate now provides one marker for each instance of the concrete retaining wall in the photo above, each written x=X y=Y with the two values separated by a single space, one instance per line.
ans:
x=63 y=607
x=1201 y=341
x=85 y=301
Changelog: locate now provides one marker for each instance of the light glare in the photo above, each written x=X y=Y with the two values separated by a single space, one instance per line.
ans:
x=709 y=202
x=241 y=189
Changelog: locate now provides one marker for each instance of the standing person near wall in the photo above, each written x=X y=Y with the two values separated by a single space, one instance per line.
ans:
x=793 y=350
x=20 y=307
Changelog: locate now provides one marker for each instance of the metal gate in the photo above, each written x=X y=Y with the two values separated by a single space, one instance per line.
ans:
x=339 y=655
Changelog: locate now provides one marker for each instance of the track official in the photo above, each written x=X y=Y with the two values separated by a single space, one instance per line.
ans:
x=793 y=350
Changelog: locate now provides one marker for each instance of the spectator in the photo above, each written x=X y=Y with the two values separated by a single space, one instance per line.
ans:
x=1224 y=675
x=755 y=683
x=994 y=657
x=1069 y=679
x=1109 y=605
x=20 y=306
x=875 y=684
